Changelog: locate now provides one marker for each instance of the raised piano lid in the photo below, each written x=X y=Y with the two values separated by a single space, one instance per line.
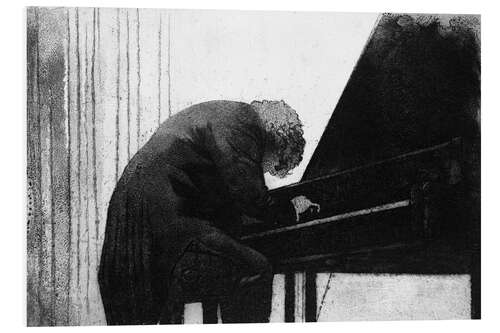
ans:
x=415 y=85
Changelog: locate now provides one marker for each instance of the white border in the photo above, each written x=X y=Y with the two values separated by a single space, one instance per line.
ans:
x=13 y=261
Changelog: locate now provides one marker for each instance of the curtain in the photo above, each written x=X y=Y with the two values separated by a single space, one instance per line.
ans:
x=98 y=87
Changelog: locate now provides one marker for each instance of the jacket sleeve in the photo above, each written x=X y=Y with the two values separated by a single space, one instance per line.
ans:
x=238 y=153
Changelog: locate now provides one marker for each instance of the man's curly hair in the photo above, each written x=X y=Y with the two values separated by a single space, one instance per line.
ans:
x=284 y=128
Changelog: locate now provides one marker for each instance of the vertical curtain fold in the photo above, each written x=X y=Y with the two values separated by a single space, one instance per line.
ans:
x=97 y=89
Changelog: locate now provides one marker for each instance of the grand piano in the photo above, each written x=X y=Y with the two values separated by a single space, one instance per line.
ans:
x=396 y=172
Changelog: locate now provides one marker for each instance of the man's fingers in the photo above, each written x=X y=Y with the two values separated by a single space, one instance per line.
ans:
x=303 y=204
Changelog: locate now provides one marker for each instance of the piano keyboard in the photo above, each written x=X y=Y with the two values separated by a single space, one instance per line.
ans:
x=335 y=218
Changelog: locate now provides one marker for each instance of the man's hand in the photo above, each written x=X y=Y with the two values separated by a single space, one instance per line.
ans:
x=302 y=204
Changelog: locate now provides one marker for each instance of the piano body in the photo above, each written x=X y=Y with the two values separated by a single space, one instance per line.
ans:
x=400 y=215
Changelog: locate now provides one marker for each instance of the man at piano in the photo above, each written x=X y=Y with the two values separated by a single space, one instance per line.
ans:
x=191 y=186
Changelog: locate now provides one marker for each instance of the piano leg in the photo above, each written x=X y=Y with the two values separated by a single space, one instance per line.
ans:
x=290 y=297
x=210 y=312
x=311 y=301
x=300 y=297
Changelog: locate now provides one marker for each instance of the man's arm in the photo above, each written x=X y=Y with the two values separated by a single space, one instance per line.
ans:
x=237 y=150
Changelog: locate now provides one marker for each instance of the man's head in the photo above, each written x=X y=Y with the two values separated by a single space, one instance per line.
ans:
x=285 y=142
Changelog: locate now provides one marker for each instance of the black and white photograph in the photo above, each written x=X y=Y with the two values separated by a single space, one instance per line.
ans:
x=197 y=166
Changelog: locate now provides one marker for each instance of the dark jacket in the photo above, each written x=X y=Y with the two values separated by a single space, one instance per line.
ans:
x=202 y=165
